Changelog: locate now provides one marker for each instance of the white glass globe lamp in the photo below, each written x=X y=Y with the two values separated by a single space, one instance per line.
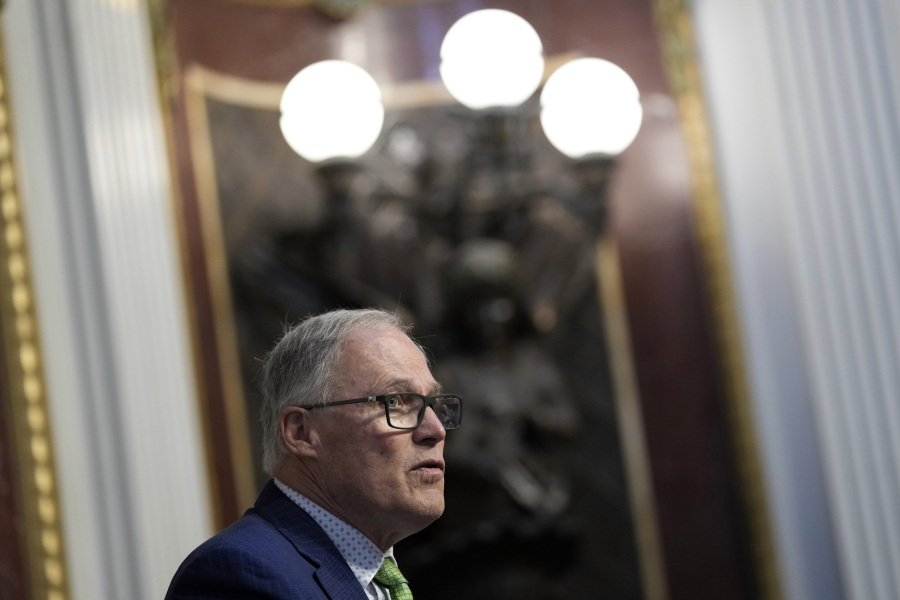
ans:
x=491 y=58
x=590 y=107
x=331 y=110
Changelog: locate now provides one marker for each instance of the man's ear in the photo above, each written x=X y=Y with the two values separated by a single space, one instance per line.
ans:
x=296 y=432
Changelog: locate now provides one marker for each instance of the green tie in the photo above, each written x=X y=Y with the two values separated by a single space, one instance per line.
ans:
x=390 y=577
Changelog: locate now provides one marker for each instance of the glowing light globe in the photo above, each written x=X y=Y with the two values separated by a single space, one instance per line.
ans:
x=590 y=106
x=491 y=58
x=331 y=109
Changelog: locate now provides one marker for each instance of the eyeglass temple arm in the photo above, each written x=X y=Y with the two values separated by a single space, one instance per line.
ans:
x=340 y=402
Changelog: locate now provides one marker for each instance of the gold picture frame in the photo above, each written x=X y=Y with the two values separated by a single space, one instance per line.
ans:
x=201 y=84
x=675 y=34
x=683 y=70
x=29 y=438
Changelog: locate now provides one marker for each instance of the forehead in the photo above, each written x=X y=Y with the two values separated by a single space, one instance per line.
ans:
x=374 y=360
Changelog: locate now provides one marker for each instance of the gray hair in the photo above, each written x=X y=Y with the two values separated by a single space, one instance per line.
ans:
x=299 y=371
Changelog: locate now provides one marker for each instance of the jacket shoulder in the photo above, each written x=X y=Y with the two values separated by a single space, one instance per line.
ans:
x=274 y=551
x=248 y=559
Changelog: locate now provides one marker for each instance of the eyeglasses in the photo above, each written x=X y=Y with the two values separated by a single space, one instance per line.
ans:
x=406 y=410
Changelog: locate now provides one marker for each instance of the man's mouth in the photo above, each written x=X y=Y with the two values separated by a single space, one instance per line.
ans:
x=431 y=465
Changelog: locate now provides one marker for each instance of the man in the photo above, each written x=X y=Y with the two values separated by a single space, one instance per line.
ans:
x=354 y=427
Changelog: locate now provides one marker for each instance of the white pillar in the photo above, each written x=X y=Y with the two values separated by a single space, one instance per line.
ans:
x=97 y=194
x=803 y=97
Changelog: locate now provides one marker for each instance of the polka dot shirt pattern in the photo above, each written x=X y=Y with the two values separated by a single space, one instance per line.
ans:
x=361 y=554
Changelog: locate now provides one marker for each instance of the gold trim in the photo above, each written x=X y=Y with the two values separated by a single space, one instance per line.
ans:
x=325 y=4
x=267 y=96
x=629 y=415
x=674 y=23
x=30 y=414
x=196 y=93
x=167 y=90
x=338 y=10
x=394 y=95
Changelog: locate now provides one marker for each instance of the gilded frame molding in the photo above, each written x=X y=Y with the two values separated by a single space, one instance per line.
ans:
x=27 y=391
x=676 y=37
x=31 y=433
x=676 y=34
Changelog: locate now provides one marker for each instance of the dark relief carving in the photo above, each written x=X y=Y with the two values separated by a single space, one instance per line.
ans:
x=650 y=216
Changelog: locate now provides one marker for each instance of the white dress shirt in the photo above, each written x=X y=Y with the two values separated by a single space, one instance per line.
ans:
x=361 y=553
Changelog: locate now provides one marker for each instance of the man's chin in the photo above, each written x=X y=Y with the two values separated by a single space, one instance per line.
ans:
x=428 y=511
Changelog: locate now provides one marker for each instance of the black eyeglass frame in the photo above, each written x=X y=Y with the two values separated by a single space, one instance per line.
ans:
x=384 y=398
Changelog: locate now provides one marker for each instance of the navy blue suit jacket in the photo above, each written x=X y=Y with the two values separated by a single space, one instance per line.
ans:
x=275 y=551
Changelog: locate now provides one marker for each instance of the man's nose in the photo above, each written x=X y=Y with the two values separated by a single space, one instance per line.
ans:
x=430 y=427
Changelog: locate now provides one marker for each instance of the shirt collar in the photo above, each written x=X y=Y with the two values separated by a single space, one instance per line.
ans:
x=361 y=553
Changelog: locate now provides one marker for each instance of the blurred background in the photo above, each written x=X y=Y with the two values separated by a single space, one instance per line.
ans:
x=653 y=243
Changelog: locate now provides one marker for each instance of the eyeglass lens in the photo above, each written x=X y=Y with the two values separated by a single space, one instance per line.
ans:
x=407 y=410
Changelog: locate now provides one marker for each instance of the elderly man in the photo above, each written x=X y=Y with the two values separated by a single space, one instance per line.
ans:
x=357 y=460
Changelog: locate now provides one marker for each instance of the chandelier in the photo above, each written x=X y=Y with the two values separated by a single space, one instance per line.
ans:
x=492 y=63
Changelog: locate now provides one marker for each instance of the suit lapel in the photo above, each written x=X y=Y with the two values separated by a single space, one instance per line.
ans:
x=332 y=573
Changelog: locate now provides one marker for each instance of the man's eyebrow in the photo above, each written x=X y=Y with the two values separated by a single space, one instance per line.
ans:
x=403 y=384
